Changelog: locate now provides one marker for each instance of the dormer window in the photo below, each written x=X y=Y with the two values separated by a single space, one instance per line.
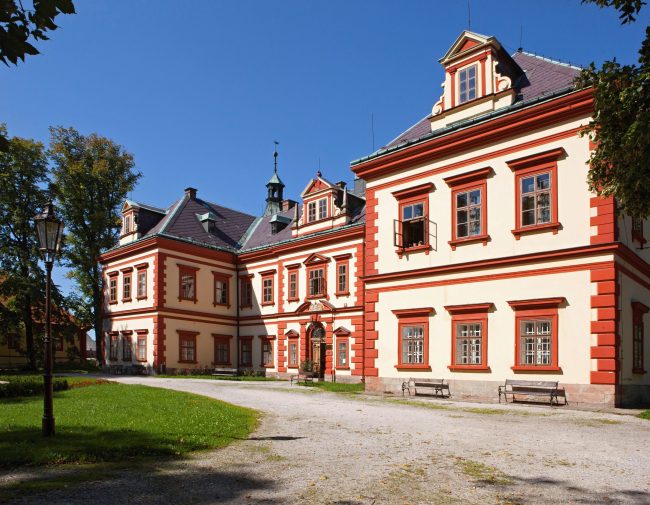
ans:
x=311 y=212
x=467 y=84
x=322 y=208
x=127 y=224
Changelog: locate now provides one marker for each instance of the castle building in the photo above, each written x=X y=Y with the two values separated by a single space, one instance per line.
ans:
x=414 y=272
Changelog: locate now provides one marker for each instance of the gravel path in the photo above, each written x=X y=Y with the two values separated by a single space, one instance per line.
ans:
x=322 y=448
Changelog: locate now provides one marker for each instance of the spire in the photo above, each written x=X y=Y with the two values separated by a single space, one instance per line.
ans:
x=275 y=187
x=275 y=157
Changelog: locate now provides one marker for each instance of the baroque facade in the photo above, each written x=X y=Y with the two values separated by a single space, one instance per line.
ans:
x=413 y=272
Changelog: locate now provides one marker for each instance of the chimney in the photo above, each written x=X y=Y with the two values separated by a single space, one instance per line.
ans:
x=288 y=204
x=190 y=193
x=341 y=184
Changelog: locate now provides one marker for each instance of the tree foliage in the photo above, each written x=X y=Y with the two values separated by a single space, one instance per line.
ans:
x=92 y=175
x=23 y=173
x=620 y=128
x=19 y=25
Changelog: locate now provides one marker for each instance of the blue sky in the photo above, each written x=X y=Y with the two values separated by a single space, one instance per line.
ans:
x=198 y=91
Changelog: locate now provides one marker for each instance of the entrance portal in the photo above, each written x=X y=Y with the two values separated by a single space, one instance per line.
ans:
x=317 y=349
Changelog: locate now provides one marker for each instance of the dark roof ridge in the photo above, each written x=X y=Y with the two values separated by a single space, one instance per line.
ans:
x=224 y=207
x=547 y=59
x=466 y=123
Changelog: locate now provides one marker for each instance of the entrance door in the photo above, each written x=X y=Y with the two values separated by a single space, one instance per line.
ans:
x=317 y=337
x=318 y=353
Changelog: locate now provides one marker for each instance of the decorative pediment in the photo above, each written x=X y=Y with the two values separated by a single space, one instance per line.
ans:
x=316 y=185
x=342 y=331
x=465 y=43
x=315 y=306
x=292 y=334
x=316 y=259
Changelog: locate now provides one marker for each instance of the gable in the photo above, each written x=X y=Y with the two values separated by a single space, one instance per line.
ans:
x=466 y=41
x=316 y=259
x=316 y=185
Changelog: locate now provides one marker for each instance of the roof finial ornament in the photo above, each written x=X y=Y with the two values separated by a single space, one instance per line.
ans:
x=275 y=157
x=319 y=174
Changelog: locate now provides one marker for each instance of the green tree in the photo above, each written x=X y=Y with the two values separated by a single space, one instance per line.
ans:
x=92 y=175
x=620 y=128
x=23 y=174
x=19 y=25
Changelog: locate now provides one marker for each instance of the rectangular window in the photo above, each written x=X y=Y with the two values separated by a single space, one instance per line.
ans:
x=58 y=343
x=469 y=324
x=638 y=311
x=413 y=338
x=246 y=351
x=293 y=354
x=412 y=344
x=637 y=230
x=112 y=350
x=293 y=286
x=469 y=344
x=13 y=342
x=245 y=292
x=142 y=284
x=127 y=224
x=536 y=188
x=267 y=289
x=112 y=288
x=536 y=199
x=221 y=349
x=469 y=206
x=467 y=84
x=187 y=347
x=141 y=349
x=536 y=339
x=468 y=213
x=536 y=342
x=342 y=354
x=221 y=289
x=316 y=282
x=126 y=347
x=311 y=212
x=187 y=283
x=267 y=352
x=322 y=208
x=413 y=225
x=126 y=287
x=342 y=278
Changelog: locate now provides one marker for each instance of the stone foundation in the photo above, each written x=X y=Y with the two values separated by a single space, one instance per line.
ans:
x=577 y=395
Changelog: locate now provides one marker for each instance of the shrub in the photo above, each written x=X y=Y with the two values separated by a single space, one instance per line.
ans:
x=28 y=385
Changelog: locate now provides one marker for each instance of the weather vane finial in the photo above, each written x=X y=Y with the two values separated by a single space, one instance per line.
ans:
x=275 y=157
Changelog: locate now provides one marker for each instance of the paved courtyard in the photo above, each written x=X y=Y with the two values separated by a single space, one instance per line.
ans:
x=324 y=448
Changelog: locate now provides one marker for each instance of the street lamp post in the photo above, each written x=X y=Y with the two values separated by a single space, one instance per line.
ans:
x=49 y=230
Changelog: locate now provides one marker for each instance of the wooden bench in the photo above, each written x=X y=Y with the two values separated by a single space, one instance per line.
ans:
x=437 y=387
x=548 y=389
x=302 y=377
x=224 y=372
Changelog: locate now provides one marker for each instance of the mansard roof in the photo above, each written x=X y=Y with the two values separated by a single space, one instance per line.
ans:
x=234 y=231
x=542 y=77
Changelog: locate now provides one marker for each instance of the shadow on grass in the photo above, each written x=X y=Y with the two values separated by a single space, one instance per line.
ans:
x=152 y=484
x=28 y=447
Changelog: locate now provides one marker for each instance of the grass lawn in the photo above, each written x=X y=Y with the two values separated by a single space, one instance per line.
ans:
x=337 y=387
x=117 y=423
x=219 y=377
x=645 y=415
